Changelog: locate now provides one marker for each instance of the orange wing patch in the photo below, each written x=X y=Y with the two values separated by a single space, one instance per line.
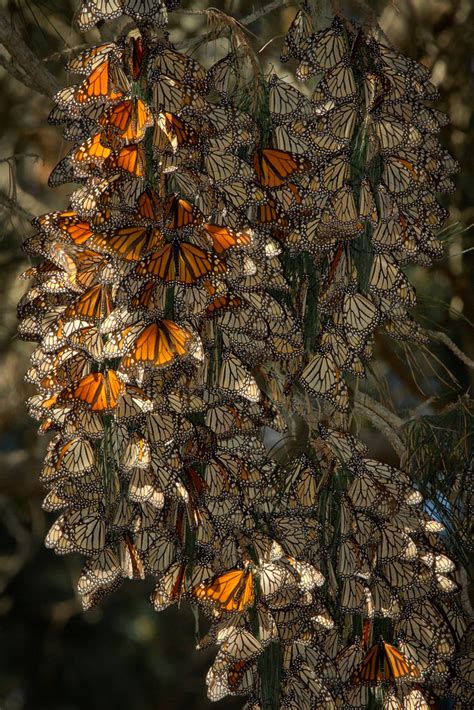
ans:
x=231 y=591
x=224 y=238
x=274 y=167
x=128 y=119
x=158 y=344
x=180 y=263
x=99 y=392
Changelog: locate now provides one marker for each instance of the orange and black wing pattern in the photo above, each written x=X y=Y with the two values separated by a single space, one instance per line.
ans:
x=99 y=392
x=127 y=120
x=158 y=345
x=180 y=262
x=275 y=167
x=231 y=591
x=383 y=662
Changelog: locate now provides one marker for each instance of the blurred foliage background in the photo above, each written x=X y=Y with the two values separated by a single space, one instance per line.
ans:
x=54 y=657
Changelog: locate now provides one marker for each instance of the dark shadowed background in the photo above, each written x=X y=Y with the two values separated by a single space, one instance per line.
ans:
x=52 y=656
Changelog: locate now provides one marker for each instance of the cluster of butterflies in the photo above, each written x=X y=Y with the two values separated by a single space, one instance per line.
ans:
x=160 y=298
x=369 y=206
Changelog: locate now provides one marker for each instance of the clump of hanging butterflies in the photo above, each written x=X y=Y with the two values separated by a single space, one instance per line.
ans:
x=162 y=295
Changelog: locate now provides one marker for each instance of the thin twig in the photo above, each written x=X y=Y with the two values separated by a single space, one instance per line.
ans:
x=380 y=410
x=381 y=424
x=15 y=72
x=11 y=205
x=19 y=156
x=63 y=53
x=247 y=20
x=42 y=80
x=446 y=340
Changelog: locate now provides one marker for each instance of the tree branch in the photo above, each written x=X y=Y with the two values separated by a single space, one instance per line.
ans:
x=446 y=340
x=247 y=20
x=380 y=410
x=12 y=206
x=381 y=424
x=39 y=78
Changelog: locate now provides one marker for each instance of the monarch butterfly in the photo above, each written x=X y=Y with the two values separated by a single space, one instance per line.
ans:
x=97 y=391
x=45 y=362
x=221 y=77
x=224 y=238
x=94 y=304
x=68 y=223
x=94 y=10
x=360 y=314
x=286 y=102
x=53 y=381
x=173 y=96
x=323 y=378
x=428 y=630
x=226 y=419
x=149 y=205
x=367 y=206
x=127 y=120
x=390 y=58
x=235 y=379
x=137 y=453
x=395 y=544
x=100 y=571
x=386 y=275
x=274 y=167
x=172 y=131
x=391 y=133
x=131 y=159
x=93 y=57
x=241 y=194
x=338 y=84
x=400 y=574
x=293 y=137
x=172 y=584
x=134 y=54
x=129 y=243
x=336 y=173
x=106 y=81
x=144 y=488
x=57 y=540
x=300 y=28
x=161 y=553
x=322 y=51
x=70 y=495
x=91 y=152
x=383 y=662
x=180 y=262
x=179 y=67
x=68 y=171
x=179 y=213
x=87 y=200
x=349 y=658
x=88 y=339
x=238 y=678
x=343 y=210
x=82 y=266
x=223 y=166
x=85 y=529
x=162 y=428
x=170 y=587
x=74 y=457
x=157 y=344
x=333 y=133
x=438 y=563
x=141 y=10
x=240 y=644
x=270 y=213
